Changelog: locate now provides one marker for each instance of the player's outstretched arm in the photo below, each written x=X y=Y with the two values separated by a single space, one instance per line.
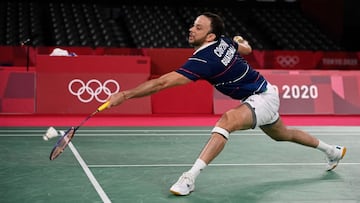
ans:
x=244 y=46
x=149 y=87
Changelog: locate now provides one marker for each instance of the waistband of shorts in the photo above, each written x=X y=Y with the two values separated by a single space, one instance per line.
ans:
x=259 y=92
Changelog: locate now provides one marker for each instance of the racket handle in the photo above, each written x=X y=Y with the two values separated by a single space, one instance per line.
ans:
x=103 y=106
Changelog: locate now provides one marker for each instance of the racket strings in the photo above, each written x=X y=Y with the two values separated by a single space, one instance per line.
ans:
x=69 y=134
x=62 y=143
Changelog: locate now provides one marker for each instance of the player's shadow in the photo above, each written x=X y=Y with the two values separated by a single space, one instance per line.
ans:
x=257 y=193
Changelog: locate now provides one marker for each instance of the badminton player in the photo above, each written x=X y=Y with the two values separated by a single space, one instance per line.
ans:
x=218 y=60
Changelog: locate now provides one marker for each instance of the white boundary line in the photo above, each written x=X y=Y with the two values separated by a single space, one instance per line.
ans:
x=91 y=177
x=187 y=165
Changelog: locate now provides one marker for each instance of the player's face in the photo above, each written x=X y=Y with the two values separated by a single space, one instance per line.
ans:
x=199 y=31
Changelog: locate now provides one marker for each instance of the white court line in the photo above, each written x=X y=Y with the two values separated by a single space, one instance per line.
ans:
x=183 y=131
x=182 y=165
x=91 y=177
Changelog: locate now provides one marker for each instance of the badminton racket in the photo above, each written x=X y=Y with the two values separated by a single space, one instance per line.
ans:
x=65 y=139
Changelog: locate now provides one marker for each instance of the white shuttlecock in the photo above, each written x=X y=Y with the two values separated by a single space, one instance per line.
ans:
x=50 y=133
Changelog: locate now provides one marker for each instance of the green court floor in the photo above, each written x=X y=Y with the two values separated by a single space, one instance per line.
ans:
x=138 y=165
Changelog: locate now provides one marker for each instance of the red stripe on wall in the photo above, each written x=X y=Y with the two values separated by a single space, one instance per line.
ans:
x=162 y=120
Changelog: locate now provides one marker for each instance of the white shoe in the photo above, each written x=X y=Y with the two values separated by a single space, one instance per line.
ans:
x=333 y=160
x=184 y=186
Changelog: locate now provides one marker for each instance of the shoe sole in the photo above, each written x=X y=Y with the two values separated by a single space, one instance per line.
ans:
x=179 y=194
x=175 y=193
x=342 y=156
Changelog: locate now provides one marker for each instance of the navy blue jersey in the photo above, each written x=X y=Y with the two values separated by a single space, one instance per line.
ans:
x=220 y=64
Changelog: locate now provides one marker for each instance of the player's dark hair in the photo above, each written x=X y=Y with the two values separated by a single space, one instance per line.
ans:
x=217 y=24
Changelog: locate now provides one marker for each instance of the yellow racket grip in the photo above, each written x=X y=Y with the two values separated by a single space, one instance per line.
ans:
x=103 y=106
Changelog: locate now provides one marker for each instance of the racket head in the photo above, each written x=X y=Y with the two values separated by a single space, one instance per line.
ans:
x=62 y=143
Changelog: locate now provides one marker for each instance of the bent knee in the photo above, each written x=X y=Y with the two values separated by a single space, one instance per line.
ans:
x=236 y=119
x=280 y=139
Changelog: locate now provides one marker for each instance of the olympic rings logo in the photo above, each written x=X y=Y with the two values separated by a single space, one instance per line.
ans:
x=86 y=92
x=287 y=61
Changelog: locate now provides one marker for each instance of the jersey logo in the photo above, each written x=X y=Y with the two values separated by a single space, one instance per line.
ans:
x=220 y=50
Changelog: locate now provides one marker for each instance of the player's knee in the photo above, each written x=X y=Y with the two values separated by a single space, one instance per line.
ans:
x=233 y=120
x=228 y=120
x=225 y=117
x=223 y=132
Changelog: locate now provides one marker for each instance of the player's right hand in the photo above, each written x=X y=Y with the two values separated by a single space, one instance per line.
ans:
x=116 y=99
x=238 y=39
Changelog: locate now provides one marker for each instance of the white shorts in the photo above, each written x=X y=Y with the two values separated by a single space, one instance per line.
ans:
x=265 y=106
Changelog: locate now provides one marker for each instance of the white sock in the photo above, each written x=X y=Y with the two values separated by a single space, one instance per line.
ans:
x=328 y=149
x=198 y=166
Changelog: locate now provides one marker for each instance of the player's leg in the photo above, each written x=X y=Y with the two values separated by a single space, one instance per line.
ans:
x=239 y=118
x=279 y=132
x=266 y=107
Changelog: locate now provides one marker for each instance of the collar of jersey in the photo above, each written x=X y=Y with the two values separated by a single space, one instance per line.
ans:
x=204 y=46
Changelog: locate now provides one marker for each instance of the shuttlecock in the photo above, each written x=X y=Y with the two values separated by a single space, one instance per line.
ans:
x=50 y=133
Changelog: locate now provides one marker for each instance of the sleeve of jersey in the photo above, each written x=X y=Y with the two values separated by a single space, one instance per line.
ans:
x=194 y=69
